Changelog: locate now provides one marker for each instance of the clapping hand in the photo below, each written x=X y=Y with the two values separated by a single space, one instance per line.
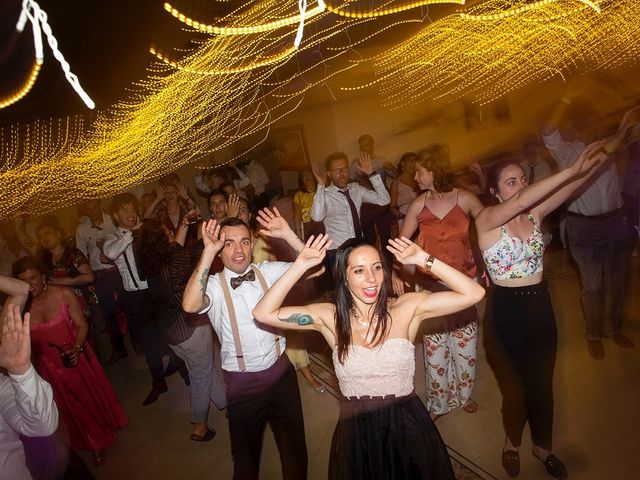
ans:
x=314 y=251
x=590 y=157
x=364 y=163
x=15 y=346
x=274 y=225
x=181 y=188
x=630 y=117
x=161 y=193
x=233 y=205
x=320 y=177
x=211 y=236
x=406 y=252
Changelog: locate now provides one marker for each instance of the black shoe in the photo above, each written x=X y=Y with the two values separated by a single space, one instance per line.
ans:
x=207 y=437
x=555 y=467
x=159 y=387
x=511 y=462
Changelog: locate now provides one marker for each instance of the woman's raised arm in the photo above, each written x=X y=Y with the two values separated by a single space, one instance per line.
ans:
x=269 y=309
x=419 y=306
x=495 y=216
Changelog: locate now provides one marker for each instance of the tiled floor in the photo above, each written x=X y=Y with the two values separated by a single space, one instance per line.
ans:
x=597 y=424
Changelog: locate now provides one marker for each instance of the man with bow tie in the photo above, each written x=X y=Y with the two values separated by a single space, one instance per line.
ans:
x=261 y=381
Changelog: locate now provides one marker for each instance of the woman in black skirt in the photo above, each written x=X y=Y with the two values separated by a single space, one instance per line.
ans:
x=384 y=430
x=521 y=335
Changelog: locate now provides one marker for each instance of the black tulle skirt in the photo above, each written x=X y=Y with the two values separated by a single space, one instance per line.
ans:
x=387 y=438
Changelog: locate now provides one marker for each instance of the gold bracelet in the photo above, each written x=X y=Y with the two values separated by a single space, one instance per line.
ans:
x=428 y=263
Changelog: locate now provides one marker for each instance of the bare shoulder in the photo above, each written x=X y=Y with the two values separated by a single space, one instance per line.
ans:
x=406 y=304
x=418 y=202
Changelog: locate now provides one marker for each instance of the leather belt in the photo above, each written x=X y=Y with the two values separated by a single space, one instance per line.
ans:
x=600 y=216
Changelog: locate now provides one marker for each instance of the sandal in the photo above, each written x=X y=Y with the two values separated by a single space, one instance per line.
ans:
x=320 y=389
x=471 y=406
x=207 y=437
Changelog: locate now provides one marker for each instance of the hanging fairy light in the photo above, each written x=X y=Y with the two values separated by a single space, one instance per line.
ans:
x=32 y=12
x=233 y=84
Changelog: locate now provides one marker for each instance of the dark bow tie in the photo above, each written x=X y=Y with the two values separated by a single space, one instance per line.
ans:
x=250 y=276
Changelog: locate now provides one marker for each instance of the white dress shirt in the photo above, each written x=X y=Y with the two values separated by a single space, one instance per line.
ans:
x=119 y=248
x=258 y=340
x=27 y=408
x=257 y=176
x=87 y=237
x=603 y=192
x=332 y=207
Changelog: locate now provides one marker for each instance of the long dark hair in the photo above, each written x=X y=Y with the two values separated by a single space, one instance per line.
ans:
x=153 y=250
x=493 y=175
x=345 y=306
x=43 y=256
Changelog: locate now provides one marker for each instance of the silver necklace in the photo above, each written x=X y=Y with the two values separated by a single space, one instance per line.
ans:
x=362 y=323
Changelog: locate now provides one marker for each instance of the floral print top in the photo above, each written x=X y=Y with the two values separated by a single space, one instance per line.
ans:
x=511 y=257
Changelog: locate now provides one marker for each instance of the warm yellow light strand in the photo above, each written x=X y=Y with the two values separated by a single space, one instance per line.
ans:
x=524 y=8
x=173 y=116
x=26 y=86
x=246 y=30
x=460 y=56
x=227 y=71
x=389 y=10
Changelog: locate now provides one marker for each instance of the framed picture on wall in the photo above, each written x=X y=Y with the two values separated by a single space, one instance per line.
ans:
x=289 y=148
x=492 y=114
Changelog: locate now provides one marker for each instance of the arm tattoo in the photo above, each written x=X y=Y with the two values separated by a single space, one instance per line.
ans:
x=299 y=318
x=203 y=282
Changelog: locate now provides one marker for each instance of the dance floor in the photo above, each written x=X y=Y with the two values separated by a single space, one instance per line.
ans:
x=596 y=422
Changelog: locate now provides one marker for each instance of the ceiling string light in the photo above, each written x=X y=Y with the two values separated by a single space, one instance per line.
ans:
x=179 y=114
x=32 y=12
x=499 y=46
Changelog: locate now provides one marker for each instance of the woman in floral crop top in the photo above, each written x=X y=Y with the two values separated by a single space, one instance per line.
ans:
x=521 y=336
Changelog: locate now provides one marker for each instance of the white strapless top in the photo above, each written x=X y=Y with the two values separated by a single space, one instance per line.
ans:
x=386 y=369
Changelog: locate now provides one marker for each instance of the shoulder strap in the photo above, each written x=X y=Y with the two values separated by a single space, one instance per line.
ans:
x=260 y=277
x=265 y=287
x=533 y=220
x=234 y=323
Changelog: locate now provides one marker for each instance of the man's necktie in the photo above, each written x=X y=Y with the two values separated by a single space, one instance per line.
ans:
x=532 y=169
x=250 y=276
x=354 y=213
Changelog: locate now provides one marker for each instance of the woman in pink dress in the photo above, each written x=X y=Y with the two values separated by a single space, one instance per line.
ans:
x=89 y=408
x=442 y=215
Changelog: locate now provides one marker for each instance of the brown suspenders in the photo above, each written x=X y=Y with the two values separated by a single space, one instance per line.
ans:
x=233 y=319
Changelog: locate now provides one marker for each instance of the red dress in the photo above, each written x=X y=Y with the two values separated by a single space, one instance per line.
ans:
x=89 y=408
